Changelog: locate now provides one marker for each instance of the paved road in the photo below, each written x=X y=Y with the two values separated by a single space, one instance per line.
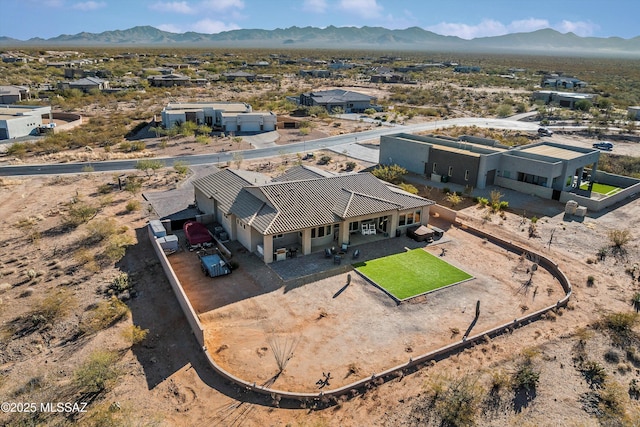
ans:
x=341 y=141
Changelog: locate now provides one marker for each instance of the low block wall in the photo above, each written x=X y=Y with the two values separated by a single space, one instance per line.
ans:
x=443 y=212
x=523 y=187
x=393 y=372
x=73 y=121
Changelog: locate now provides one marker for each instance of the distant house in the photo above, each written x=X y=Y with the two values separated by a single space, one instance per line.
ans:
x=89 y=83
x=563 y=99
x=561 y=82
x=466 y=69
x=319 y=74
x=634 y=112
x=388 y=78
x=230 y=77
x=169 y=80
x=306 y=208
x=21 y=120
x=224 y=116
x=348 y=101
x=13 y=94
x=544 y=169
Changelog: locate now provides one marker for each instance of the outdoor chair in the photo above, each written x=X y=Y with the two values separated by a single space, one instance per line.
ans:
x=337 y=259
x=344 y=248
x=356 y=254
x=327 y=253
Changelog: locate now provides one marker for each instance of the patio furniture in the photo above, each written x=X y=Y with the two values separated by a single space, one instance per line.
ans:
x=327 y=253
x=337 y=259
x=344 y=248
x=356 y=254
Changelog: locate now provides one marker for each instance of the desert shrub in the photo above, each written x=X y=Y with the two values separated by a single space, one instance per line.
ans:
x=116 y=247
x=105 y=189
x=389 y=173
x=526 y=377
x=134 y=334
x=324 y=160
x=620 y=325
x=483 y=201
x=349 y=166
x=80 y=212
x=591 y=281
x=409 y=188
x=98 y=372
x=619 y=238
x=101 y=229
x=120 y=283
x=105 y=314
x=149 y=166
x=594 y=373
x=17 y=149
x=133 y=205
x=453 y=402
x=454 y=199
x=181 y=168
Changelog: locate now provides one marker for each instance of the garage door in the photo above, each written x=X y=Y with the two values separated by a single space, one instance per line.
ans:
x=250 y=127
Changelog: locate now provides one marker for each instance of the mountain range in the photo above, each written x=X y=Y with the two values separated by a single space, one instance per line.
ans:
x=545 y=41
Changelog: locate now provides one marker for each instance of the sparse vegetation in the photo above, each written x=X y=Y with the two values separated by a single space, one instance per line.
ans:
x=98 y=373
x=103 y=315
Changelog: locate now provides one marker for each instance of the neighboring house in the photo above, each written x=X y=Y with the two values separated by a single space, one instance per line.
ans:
x=21 y=120
x=545 y=169
x=634 y=112
x=169 y=80
x=388 y=78
x=89 y=83
x=563 y=99
x=224 y=116
x=348 y=101
x=239 y=75
x=306 y=208
x=318 y=74
x=13 y=94
x=466 y=69
x=560 y=82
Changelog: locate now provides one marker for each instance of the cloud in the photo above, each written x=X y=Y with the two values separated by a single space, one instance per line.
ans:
x=209 y=26
x=528 y=25
x=363 y=8
x=89 y=5
x=486 y=28
x=206 y=26
x=173 y=7
x=53 y=3
x=315 y=6
x=223 y=5
x=579 y=28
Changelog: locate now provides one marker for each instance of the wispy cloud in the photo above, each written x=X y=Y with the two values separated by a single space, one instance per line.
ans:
x=206 y=26
x=527 y=25
x=173 y=7
x=315 y=6
x=223 y=5
x=579 y=28
x=89 y=5
x=363 y=8
x=487 y=27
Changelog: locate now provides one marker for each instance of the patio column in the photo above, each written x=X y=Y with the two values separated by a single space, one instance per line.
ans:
x=306 y=241
x=393 y=223
x=344 y=233
x=267 y=244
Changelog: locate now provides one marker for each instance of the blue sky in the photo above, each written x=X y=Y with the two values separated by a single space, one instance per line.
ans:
x=23 y=19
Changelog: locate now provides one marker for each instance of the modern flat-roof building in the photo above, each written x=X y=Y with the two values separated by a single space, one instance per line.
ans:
x=21 y=120
x=545 y=168
x=348 y=101
x=225 y=116
x=563 y=99
x=12 y=94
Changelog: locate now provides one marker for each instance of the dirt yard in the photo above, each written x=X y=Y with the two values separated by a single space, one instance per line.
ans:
x=165 y=380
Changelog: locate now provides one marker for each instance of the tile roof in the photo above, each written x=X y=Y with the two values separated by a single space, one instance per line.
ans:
x=284 y=206
x=338 y=95
x=302 y=172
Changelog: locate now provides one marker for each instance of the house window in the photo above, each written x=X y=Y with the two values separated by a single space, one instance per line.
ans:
x=435 y=168
x=320 y=231
x=328 y=231
x=313 y=233
x=278 y=236
x=354 y=226
x=416 y=216
x=409 y=218
x=466 y=175
x=402 y=220
x=450 y=171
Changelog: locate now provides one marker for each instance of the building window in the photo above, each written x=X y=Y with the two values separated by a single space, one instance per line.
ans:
x=313 y=233
x=354 y=226
x=450 y=171
x=328 y=231
x=466 y=175
x=278 y=236
x=320 y=231
x=402 y=220
x=416 y=216
x=435 y=168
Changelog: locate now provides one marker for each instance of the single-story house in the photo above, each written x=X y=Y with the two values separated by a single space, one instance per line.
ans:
x=544 y=168
x=13 y=94
x=319 y=74
x=563 y=99
x=388 y=78
x=306 y=207
x=224 y=116
x=169 y=80
x=348 y=101
x=88 y=83
x=21 y=120
x=562 y=82
x=230 y=77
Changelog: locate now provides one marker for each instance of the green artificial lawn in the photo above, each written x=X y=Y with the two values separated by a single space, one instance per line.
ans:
x=411 y=273
x=602 y=188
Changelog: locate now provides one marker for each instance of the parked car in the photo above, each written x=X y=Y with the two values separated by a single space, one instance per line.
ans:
x=544 y=132
x=604 y=145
